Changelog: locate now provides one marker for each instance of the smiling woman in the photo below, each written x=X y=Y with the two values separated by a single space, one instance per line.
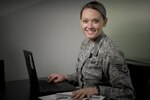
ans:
x=51 y=29
x=101 y=68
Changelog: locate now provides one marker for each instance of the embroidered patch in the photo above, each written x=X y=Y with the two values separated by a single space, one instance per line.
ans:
x=122 y=68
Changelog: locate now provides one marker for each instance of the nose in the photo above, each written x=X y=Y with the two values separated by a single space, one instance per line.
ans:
x=90 y=25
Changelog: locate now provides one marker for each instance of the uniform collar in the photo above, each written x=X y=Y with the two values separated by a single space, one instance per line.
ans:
x=97 y=44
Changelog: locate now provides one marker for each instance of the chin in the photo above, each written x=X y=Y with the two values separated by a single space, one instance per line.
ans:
x=91 y=37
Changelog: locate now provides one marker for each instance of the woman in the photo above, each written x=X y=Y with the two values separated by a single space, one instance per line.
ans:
x=101 y=68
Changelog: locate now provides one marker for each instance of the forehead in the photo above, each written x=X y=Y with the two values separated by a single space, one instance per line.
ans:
x=91 y=13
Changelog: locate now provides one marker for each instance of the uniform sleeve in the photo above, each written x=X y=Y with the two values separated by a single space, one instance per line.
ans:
x=117 y=74
x=73 y=77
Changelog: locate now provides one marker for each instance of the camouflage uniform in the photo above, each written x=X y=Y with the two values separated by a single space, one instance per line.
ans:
x=102 y=64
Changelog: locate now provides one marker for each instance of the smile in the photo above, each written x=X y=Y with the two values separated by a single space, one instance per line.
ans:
x=90 y=32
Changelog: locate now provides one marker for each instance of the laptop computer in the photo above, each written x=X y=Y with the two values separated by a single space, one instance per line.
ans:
x=43 y=87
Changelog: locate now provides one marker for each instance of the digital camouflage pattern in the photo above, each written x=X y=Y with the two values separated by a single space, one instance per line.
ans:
x=102 y=64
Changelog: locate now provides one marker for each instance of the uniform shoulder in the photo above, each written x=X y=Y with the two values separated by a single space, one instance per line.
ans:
x=111 y=47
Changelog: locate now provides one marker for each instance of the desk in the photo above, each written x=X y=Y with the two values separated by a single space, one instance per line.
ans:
x=16 y=90
x=20 y=90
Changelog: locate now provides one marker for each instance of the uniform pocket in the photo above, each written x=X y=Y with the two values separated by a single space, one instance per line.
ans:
x=93 y=68
x=94 y=62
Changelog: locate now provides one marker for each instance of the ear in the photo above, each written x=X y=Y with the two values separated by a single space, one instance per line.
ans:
x=80 y=22
x=105 y=22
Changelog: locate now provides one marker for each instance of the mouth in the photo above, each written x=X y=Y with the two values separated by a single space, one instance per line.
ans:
x=90 y=32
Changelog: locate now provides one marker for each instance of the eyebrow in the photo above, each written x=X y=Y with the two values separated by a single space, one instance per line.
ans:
x=92 y=19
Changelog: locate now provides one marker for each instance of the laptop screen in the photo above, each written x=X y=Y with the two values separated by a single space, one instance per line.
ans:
x=31 y=68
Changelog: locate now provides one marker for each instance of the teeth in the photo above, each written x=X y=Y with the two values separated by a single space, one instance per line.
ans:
x=90 y=31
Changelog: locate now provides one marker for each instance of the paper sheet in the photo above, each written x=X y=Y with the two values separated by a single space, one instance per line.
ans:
x=67 y=96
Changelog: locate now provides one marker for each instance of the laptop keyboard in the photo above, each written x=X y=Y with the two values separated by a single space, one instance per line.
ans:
x=55 y=87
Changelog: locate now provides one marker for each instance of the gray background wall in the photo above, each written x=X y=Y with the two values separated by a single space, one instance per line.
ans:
x=51 y=30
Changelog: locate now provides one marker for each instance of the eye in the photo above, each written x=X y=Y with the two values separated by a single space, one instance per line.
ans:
x=85 y=21
x=96 y=21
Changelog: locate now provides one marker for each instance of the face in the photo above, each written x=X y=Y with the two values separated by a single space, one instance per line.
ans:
x=92 y=23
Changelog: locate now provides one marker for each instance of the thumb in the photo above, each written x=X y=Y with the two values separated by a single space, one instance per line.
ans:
x=56 y=80
x=88 y=96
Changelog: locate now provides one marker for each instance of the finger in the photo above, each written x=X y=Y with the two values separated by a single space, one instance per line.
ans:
x=82 y=96
x=88 y=96
x=56 y=80
x=52 y=78
x=74 y=94
x=77 y=94
x=49 y=77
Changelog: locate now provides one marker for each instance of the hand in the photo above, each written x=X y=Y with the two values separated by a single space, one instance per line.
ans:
x=56 y=78
x=80 y=94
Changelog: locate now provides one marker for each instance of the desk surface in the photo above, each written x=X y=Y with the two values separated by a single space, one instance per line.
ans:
x=16 y=90
x=20 y=90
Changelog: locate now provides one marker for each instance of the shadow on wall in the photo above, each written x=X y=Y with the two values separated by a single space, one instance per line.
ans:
x=134 y=39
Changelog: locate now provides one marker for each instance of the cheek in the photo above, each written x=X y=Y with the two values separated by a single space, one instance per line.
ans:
x=98 y=27
x=83 y=26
